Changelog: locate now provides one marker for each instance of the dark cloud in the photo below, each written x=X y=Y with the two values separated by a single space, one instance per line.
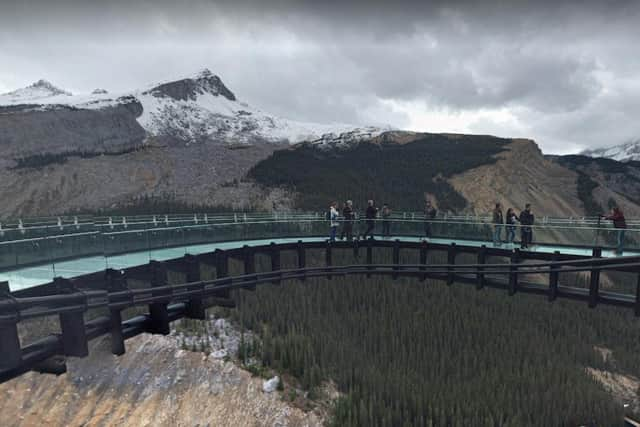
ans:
x=563 y=73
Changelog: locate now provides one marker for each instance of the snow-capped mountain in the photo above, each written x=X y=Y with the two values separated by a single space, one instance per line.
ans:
x=623 y=152
x=39 y=90
x=193 y=109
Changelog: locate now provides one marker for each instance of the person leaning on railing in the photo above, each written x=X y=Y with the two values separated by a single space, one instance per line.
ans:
x=370 y=214
x=386 y=220
x=526 y=232
x=498 y=222
x=510 y=220
x=348 y=217
x=429 y=215
x=620 y=224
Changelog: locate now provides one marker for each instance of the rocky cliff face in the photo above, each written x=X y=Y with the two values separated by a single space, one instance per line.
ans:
x=28 y=131
x=155 y=383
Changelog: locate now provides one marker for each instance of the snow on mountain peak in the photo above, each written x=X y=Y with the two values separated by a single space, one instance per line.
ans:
x=38 y=90
x=622 y=152
x=198 y=108
x=204 y=82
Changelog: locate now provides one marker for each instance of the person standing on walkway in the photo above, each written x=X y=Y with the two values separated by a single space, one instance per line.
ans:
x=429 y=215
x=370 y=215
x=386 y=220
x=620 y=224
x=526 y=221
x=333 y=219
x=348 y=216
x=498 y=223
x=510 y=220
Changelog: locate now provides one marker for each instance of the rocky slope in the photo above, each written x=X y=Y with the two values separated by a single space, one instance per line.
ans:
x=155 y=383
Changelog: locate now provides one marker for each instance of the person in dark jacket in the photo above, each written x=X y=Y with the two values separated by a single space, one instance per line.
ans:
x=498 y=223
x=429 y=215
x=386 y=220
x=348 y=216
x=620 y=224
x=370 y=216
x=526 y=221
x=510 y=220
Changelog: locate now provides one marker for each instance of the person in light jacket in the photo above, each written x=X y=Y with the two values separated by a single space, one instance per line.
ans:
x=333 y=219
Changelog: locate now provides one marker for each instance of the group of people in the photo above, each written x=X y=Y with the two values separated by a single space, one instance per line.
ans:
x=349 y=218
x=510 y=221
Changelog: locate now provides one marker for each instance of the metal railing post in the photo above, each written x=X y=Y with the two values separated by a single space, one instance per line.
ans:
x=158 y=309
x=554 y=274
x=9 y=338
x=195 y=304
x=275 y=261
x=513 y=272
x=482 y=258
x=424 y=251
x=328 y=257
x=396 y=259
x=594 y=282
x=74 y=334
x=302 y=257
x=451 y=260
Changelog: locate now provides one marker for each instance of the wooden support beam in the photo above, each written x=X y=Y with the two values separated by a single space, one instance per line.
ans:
x=74 y=334
x=249 y=264
x=158 y=310
x=302 y=257
x=554 y=274
x=116 y=281
x=328 y=257
x=513 y=271
x=275 y=261
x=195 y=305
x=396 y=259
x=222 y=270
x=482 y=259
x=637 y=308
x=369 y=244
x=451 y=260
x=424 y=252
x=356 y=248
x=10 y=352
x=594 y=282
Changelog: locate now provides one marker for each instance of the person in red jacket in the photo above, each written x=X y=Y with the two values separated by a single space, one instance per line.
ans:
x=620 y=224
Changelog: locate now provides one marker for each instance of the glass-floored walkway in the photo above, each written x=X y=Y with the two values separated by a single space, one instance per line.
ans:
x=26 y=277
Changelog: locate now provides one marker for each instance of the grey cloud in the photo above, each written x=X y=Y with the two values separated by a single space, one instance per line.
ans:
x=564 y=69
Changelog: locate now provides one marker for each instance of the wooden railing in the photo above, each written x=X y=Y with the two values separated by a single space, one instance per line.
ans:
x=109 y=290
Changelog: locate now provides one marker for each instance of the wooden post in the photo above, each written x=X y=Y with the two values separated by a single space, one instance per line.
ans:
x=369 y=243
x=9 y=339
x=513 y=272
x=554 y=273
x=302 y=258
x=328 y=258
x=158 y=310
x=195 y=305
x=637 y=310
x=356 y=248
x=74 y=334
x=396 y=259
x=451 y=260
x=424 y=250
x=249 y=265
x=594 y=283
x=115 y=281
x=482 y=259
x=222 y=270
x=275 y=261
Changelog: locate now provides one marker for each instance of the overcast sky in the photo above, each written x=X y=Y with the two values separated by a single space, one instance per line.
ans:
x=566 y=74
